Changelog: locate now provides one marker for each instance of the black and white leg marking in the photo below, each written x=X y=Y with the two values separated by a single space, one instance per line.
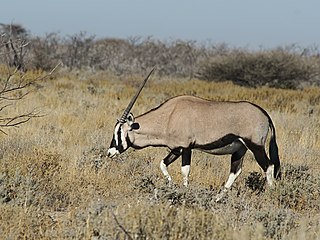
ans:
x=185 y=166
x=261 y=157
x=170 y=158
x=235 y=170
x=236 y=165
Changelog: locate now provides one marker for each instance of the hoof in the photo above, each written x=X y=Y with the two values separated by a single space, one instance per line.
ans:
x=220 y=196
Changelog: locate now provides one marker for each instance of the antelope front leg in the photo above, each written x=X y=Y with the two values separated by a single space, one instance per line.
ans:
x=170 y=158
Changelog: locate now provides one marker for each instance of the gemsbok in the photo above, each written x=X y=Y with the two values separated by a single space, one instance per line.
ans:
x=184 y=123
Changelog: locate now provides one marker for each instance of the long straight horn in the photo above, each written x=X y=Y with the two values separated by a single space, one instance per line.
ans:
x=133 y=100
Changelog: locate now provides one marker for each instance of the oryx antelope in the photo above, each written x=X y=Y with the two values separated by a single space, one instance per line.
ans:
x=185 y=123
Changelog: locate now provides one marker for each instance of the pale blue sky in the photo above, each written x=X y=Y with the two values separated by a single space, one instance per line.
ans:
x=239 y=23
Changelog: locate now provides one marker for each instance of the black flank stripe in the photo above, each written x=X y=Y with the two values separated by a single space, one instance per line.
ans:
x=227 y=139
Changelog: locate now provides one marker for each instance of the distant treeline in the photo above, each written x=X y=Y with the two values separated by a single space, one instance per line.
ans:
x=283 y=67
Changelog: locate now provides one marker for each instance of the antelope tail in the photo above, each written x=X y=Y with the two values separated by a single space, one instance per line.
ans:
x=274 y=152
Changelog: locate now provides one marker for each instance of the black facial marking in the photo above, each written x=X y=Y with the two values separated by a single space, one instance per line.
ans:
x=120 y=146
x=130 y=118
x=135 y=126
x=129 y=144
x=113 y=142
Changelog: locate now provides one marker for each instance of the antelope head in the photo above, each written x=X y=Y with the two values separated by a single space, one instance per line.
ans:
x=120 y=140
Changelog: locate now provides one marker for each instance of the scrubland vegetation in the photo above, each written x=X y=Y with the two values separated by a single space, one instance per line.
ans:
x=56 y=182
x=289 y=66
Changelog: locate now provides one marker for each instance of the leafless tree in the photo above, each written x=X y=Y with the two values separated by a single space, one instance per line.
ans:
x=45 y=51
x=14 y=30
x=14 y=40
x=78 y=50
x=15 y=85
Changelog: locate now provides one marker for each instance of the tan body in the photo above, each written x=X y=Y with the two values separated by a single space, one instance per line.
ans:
x=186 y=121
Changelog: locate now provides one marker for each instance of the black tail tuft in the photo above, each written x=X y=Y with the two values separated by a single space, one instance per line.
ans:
x=274 y=153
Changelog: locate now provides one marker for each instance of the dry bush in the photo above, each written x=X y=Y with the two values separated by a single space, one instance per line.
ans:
x=137 y=55
x=279 y=68
x=284 y=67
x=46 y=52
x=78 y=49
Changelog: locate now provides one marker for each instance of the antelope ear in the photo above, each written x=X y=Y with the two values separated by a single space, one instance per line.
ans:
x=130 y=119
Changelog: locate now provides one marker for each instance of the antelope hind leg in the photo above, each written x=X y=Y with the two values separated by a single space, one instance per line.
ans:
x=185 y=166
x=235 y=170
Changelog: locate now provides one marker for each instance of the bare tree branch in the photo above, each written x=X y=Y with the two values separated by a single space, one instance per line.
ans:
x=7 y=94
x=9 y=51
x=16 y=121
x=16 y=84
x=22 y=85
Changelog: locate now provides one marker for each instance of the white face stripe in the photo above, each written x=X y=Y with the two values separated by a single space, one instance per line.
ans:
x=123 y=139
x=116 y=129
x=120 y=137
x=112 y=151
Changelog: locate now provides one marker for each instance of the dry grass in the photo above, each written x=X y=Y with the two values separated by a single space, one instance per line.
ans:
x=55 y=181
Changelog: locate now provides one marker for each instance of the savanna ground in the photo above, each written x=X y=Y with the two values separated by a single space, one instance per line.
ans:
x=56 y=182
